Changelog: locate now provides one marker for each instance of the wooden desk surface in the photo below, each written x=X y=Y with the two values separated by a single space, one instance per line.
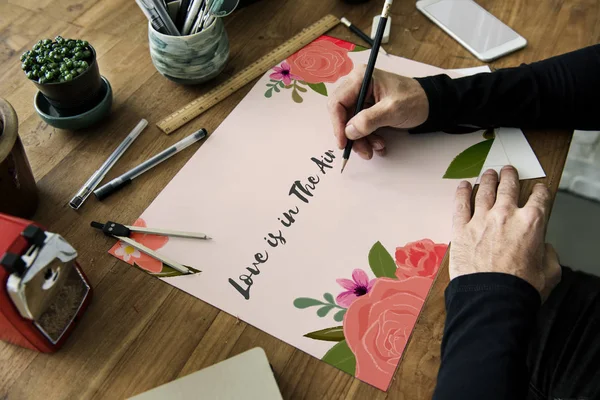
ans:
x=140 y=332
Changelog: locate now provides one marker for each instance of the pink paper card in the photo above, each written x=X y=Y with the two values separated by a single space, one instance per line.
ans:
x=338 y=265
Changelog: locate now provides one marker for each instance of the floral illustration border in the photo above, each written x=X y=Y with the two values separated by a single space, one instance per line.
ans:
x=378 y=313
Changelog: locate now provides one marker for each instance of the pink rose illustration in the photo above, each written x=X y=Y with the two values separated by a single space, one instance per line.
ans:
x=422 y=258
x=130 y=255
x=321 y=61
x=377 y=326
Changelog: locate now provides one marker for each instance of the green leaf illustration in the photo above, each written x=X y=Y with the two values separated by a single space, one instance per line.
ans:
x=319 y=88
x=301 y=89
x=323 y=311
x=305 y=302
x=273 y=80
x=339 y=316
x=359 y=48
x=269 y=93
x=275 y=88
x=340 y=356
x=296 y=96
x=329 y=298
x=468 y=164
x=334 y=334
x=381 y=262
x=323 y=307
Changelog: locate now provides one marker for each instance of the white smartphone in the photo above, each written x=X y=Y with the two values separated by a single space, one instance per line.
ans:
x=472 y=26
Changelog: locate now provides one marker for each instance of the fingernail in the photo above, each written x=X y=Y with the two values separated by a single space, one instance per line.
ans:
x=364 y=155
x=463 y=184
x=490 y=172
x=377 y=145
x=507 y=167
x=351 y=132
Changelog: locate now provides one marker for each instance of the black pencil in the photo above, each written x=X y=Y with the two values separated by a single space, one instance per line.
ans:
x=369 y=72
x=360 y=33
x=183 y=10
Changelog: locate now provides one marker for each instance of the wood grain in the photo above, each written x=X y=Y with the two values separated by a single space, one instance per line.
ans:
x=140 y=332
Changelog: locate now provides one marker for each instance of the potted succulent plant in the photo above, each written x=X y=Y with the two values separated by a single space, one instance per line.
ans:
x=65 y=71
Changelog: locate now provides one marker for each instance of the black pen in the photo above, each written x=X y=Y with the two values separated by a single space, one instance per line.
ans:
x=369 y=72
x=125 y=179
x=360 y=33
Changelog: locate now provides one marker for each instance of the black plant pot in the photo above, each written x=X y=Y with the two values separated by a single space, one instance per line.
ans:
x=81 y=93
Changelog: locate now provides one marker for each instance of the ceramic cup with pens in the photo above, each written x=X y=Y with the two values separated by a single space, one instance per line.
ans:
x=190 y=59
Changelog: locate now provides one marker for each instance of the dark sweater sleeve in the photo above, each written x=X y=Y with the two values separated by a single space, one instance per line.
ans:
x=560 y=92
x=489 y=319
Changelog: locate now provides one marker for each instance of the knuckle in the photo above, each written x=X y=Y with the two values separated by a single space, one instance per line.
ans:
x=542 y=192
x=500 y=219
x=332 y=102
x=460 y=207
x=368 y=123
x=502 y=210
x=394 y=104
x=533 y=215
x=379 y=73
x=537 y=213
x=512 y=184
x=462 y=197
x=358 y=73
x=505 y=191
x=501 y=215
x=486 y=194
x=361 y=124
x=488 y=184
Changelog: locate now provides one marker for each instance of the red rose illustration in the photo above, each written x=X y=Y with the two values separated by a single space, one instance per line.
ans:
x=422 y=258
x=321 y=61
x=377 y=326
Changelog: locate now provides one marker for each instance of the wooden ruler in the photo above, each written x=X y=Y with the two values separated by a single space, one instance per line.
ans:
x=241 y=79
